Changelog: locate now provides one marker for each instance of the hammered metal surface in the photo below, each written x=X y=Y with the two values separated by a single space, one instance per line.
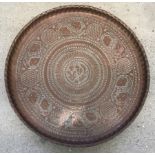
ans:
x=76 y=75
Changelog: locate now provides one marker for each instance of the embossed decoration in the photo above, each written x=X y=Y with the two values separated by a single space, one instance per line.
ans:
x=77 y=75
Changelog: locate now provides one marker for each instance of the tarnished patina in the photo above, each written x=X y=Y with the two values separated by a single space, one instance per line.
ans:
x=77 y=75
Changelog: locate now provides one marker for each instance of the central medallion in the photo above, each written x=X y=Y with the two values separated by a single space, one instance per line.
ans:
x=74 y=72
x=77 y=72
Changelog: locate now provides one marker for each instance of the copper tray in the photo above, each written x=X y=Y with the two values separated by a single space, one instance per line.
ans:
x=77 y=75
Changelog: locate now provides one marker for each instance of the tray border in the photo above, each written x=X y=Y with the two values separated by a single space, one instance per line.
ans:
x=99 y=12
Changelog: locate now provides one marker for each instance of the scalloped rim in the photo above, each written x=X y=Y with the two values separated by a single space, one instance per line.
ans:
x=99 y=12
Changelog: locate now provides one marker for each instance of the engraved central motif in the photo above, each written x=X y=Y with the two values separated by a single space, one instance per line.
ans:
x=76 y=72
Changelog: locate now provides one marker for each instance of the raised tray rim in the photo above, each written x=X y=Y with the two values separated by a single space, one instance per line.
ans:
x=99 y=12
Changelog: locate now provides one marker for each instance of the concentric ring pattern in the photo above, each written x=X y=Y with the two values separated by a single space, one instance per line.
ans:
x=77 y=75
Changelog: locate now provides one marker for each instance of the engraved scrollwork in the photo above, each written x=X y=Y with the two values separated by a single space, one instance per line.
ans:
x=78 y=76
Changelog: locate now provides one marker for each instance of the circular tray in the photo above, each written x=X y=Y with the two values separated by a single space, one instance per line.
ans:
x=77 y=75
